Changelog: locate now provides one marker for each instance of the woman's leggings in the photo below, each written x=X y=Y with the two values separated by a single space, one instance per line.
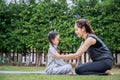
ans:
x=96 y=67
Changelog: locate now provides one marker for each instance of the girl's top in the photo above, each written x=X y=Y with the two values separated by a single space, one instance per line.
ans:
x=52 y=62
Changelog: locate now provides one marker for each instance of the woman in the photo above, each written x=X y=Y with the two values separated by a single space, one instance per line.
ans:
x=102 y=60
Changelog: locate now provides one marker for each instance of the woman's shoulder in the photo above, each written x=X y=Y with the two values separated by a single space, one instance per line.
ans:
x=98 y=43
x=91 y=35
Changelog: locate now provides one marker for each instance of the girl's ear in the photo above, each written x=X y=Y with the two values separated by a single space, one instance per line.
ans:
x=52 y=41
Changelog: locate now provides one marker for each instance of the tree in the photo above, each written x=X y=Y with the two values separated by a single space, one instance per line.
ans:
x=25 y=26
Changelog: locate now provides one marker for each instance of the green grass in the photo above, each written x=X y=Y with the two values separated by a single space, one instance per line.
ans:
x=50 y=77
x=21 y=68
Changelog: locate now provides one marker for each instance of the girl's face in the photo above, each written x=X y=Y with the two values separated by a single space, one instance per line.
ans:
x=78 y=31
x=56 y=40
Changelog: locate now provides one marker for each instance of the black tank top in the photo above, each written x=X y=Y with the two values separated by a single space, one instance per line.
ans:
x=98 y=51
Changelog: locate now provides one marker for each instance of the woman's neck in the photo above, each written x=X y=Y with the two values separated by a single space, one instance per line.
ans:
x=85 y=35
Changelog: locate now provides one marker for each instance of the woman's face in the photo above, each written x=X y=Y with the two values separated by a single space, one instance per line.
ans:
x=56 y=40
x=78 y=31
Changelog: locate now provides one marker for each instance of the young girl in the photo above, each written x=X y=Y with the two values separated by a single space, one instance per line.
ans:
x=56 y=66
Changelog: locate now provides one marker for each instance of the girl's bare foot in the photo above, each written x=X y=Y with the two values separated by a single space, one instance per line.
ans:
x=70 y=73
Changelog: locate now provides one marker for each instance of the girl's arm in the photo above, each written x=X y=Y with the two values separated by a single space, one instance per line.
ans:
x=83 y=48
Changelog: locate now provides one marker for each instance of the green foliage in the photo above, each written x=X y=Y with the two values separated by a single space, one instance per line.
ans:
x=24 y=26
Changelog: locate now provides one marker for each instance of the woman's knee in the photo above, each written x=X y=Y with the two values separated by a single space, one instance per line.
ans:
x=78 y=70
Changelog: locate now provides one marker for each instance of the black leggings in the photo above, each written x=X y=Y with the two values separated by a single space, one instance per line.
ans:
x=94 y=67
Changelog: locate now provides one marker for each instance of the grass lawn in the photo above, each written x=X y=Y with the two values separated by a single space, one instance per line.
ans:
x=50 y=77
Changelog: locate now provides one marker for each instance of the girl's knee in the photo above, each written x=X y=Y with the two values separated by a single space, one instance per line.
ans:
x=70 y=66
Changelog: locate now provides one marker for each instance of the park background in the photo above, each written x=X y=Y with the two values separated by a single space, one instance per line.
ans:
x=25 y=24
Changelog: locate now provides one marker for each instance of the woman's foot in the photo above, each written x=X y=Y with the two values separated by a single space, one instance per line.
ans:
x=109 y=72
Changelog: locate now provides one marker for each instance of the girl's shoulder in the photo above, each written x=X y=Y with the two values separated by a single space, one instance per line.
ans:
x=52 y=49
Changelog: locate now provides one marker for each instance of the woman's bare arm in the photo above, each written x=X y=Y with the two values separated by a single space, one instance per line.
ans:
x=82 y=49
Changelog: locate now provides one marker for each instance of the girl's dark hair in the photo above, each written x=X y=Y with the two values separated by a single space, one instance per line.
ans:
x=52 y=36
x=84 y=23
